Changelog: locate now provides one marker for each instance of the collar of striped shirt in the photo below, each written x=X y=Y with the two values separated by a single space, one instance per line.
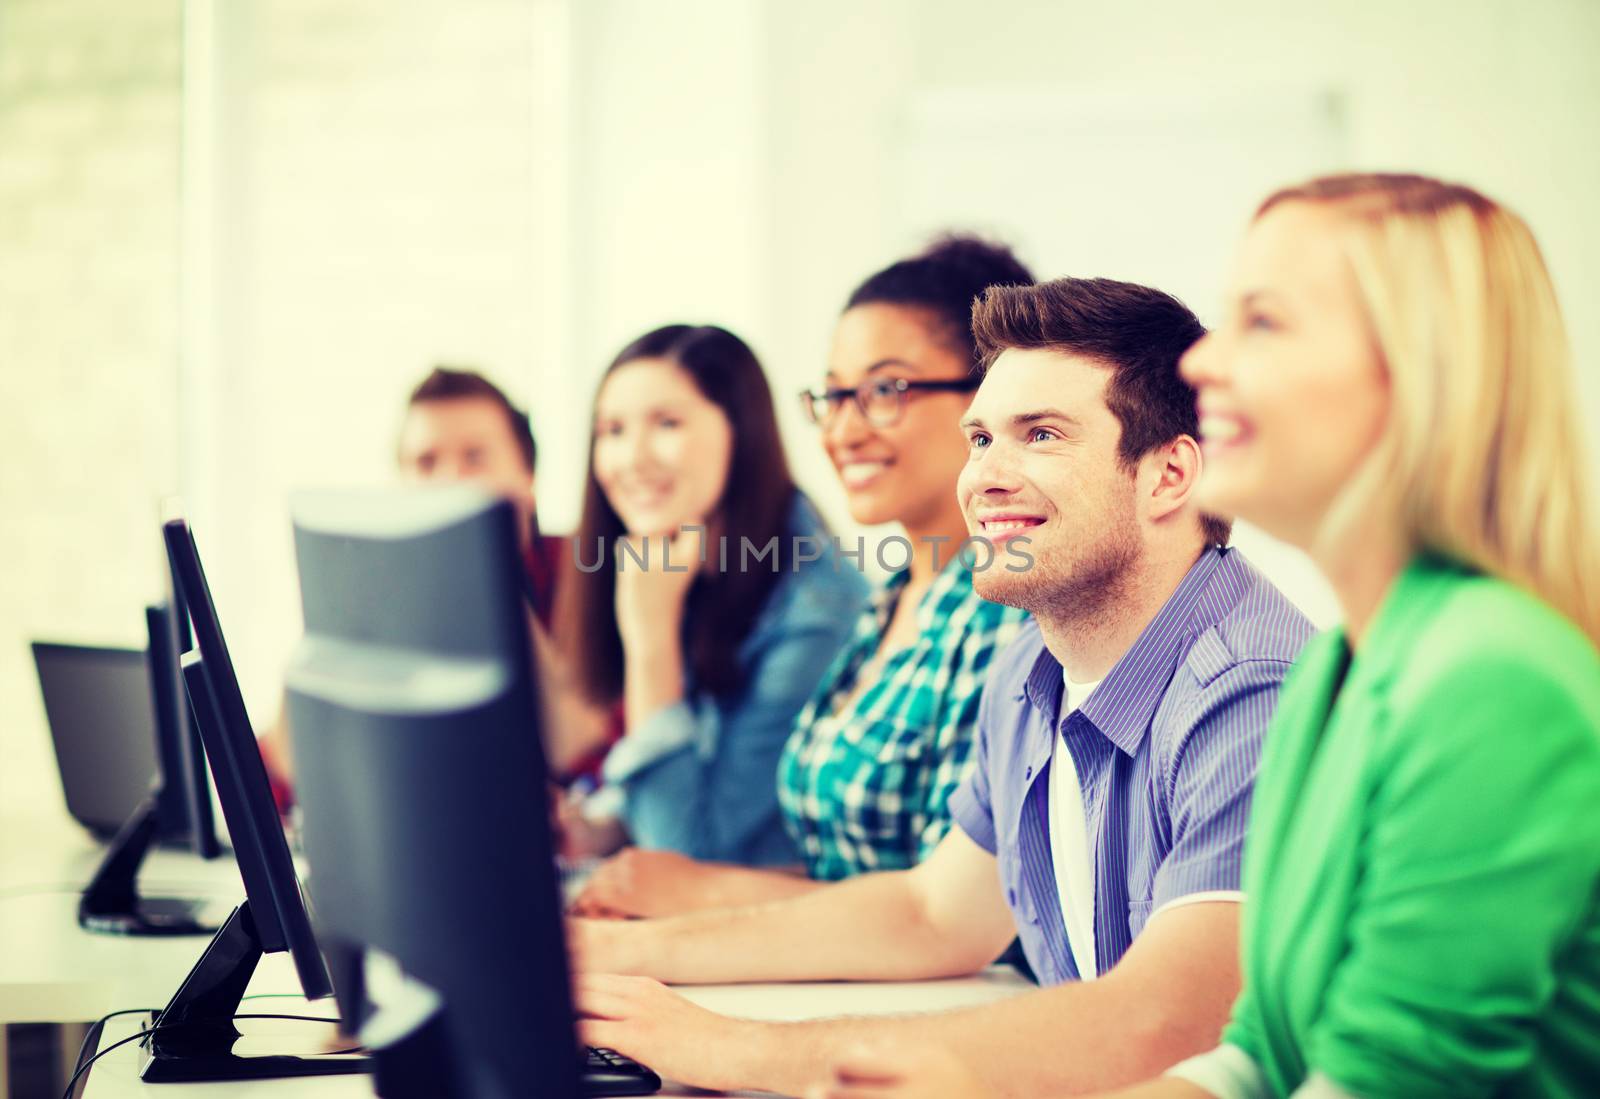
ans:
x=1122 y=707
x=1165 y=752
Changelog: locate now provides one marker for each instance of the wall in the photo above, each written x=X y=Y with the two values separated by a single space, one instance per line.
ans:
x=380 y=200
x=1499 y=93
x=89 y=110
x=366 y=193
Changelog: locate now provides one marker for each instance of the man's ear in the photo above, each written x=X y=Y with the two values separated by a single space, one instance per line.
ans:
x=1171 y=473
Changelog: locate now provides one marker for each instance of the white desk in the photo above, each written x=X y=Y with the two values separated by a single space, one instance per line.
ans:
x=116 y=1077
x=51 y=970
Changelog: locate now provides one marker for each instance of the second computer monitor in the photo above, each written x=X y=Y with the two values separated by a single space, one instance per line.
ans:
x=103 y=726
x=243 y=788
x=415 y=727
x=193 y=1037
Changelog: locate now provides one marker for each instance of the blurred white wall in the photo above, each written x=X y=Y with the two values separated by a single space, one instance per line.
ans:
x=378 y=183
x=89 y=112
x=524 y=185
x=1162 y=122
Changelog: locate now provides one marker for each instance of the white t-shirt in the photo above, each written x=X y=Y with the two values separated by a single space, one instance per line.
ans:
x=1069 y=838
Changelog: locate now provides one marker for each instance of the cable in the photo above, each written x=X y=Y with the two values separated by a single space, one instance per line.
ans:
x=93 y=1028
x=83 y=1066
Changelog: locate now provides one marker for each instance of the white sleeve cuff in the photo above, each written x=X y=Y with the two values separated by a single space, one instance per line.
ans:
x=1320 y=1087
x=1228 y=896
x=606 y=803
x=1227 y=1072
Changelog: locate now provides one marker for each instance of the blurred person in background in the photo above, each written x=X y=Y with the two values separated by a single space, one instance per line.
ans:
x=461 y=427
x=707 y=602
x=886 y=738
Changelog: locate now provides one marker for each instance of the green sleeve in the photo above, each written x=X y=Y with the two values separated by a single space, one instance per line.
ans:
x=1482 y=852
x=1243 y=1029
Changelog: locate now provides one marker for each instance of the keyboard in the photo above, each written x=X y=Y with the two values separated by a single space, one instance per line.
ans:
x=607 y=1072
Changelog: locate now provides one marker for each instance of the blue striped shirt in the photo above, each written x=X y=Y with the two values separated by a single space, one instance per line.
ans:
x=1165 y=748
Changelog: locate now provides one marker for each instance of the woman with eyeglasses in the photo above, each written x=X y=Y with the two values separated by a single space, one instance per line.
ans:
x=875 y=755
x=1391 y=390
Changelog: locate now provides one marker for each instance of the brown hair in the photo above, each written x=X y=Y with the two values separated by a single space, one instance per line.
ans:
x=755 y=504
x=447 y=383
x=1139 y=334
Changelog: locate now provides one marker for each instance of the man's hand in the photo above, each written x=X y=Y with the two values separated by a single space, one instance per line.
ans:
x=637 y=882
x=898 y=1071
x=647 y=1021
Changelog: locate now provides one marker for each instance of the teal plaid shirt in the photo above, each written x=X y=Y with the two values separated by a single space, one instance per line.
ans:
x=866 y=784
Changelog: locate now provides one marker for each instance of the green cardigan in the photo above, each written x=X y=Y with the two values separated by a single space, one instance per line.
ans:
x=1423 y=864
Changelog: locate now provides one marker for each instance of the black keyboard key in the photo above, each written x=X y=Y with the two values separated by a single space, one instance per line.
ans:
x=607 y=1072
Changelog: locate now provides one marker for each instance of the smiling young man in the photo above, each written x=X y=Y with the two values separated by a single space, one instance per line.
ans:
x=1118 y=736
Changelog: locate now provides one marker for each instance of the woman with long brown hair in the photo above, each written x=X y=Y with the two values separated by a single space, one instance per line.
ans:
x=709 y=596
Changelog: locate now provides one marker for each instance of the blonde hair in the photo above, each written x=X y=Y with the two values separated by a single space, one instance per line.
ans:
x=1482 y=457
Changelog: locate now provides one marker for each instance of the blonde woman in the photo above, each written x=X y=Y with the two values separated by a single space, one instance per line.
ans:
x=1390 y=389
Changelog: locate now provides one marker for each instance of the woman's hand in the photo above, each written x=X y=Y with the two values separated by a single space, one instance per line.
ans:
x=650 y=601
x=578 y=836
x=637 y=882
x=650 y=597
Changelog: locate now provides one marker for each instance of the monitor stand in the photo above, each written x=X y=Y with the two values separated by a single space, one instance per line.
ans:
x=192 y=1038
x=111 y=903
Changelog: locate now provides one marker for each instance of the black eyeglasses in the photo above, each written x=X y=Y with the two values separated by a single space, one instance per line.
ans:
x=881 y=401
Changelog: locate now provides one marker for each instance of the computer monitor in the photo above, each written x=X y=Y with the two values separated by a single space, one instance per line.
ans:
x=181 y=755
x=192 y=1038
x=124 y=774
x=412 y=708
x=97 y=700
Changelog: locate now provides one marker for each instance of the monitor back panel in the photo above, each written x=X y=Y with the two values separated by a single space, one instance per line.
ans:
x=102 y=723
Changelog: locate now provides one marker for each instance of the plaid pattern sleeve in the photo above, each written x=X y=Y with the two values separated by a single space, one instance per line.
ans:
x=866 y=778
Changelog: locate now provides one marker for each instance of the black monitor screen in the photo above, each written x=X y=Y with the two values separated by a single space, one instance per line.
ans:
x=185 y=790
x=103 y=727
x=277 y=907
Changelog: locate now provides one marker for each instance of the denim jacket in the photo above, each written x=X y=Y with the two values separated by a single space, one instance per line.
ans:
x=700 y=776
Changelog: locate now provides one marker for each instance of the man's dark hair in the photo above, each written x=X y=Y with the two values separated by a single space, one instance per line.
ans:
x=1139 y=334
x=448 y=383
x=943 y=280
